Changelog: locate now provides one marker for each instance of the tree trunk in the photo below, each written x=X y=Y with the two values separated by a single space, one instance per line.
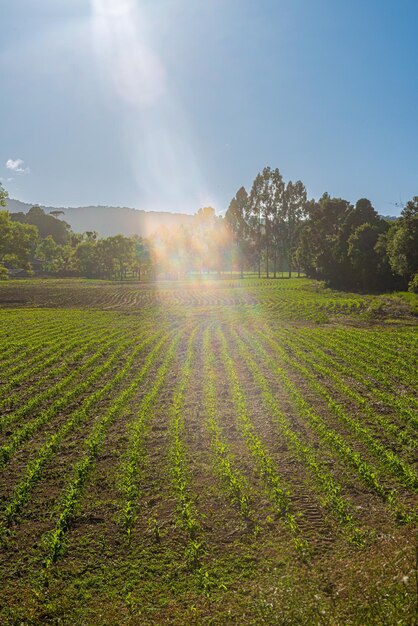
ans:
x=259 y=244
x=267 y=259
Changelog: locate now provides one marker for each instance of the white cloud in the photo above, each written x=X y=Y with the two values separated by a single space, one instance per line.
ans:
x=17 y=165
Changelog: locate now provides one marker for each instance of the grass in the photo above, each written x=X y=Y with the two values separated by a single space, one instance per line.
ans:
x=208 y=452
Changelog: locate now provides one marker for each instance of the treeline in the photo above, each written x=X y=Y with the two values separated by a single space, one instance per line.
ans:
x=269 y=230
x=39 y=243
x=348 y=246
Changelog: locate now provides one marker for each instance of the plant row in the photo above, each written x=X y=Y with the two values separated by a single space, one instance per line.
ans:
x=93 y=446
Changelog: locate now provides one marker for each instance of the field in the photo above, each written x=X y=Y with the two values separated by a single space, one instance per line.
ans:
x=208 y=452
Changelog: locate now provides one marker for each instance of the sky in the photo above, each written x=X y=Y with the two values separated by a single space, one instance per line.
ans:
x=175 y=104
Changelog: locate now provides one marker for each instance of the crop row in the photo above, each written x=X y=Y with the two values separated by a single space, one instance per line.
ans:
x=328 y=489
x=78 y=418
x=42 y=370
x=187 y=516
x=361 y=349
x=130 y=483
x=21 y=361
x=389 y=459
x=400 y=360
x=84 y=378
x=36 y=324
x=224 y=461
x=93 y=446
x=278 y=492
x=364 y=374
x=330 y=437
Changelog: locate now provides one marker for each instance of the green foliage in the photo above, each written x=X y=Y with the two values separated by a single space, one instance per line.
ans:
x=236 y=218
x=130 y=484
x=46 y=225
x=224 y=462
x=17 y=242
x=413 y=284
x=364 y=256
x=278 y=492
x=3 y=196
x=206 y=454
x=345 y=245
x=402 y=242
x=348 y=246
x=86 y=258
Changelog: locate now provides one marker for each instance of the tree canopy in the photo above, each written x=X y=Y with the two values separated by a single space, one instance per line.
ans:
x=47 y=225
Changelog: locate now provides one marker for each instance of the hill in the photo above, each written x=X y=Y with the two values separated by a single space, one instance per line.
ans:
x=108 y=220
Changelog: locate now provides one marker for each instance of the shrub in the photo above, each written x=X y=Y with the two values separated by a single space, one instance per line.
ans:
x=4 y=274
x=413 y=284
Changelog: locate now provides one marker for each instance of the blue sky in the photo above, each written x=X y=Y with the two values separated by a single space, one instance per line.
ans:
x=174 y=104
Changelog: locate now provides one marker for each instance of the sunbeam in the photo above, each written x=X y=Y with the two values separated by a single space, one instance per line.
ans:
x=156 y=129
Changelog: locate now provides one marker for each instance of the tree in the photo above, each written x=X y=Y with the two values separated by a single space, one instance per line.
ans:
x=46 y=224
x=319 y=246
x=116 y=254
x=364 y=256
x=87 y=258
x=3 y=196
x=17 y=242
x=142 y=257
x=5 y=230
x=235 y=217
x=48 y=252
x=293 y=213
x=265 y=202
x=345 y=244
x=402 y=242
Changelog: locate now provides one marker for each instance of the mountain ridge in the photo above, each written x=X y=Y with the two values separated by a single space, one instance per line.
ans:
x=110 y=220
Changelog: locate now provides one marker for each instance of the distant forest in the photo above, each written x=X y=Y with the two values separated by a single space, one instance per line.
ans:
x=272 y=230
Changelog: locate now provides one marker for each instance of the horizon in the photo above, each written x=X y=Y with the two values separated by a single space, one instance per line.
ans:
x=130 y=208
x=98 y=206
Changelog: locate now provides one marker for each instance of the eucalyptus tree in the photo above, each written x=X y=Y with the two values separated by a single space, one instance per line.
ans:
x=265 y=205
x=293 y=213
x=236 y=218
